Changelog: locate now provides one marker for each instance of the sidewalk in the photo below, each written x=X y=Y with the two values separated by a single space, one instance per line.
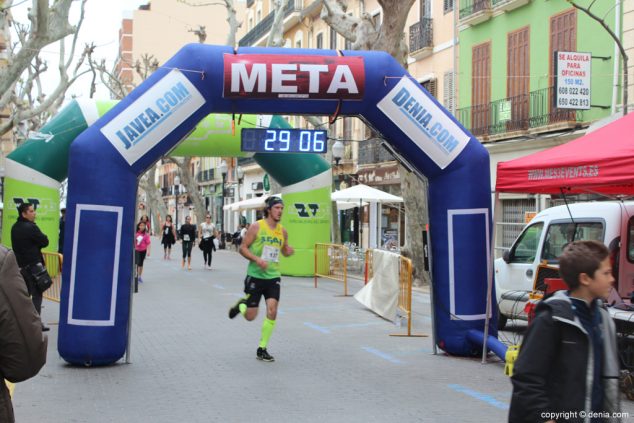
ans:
x=335 y=360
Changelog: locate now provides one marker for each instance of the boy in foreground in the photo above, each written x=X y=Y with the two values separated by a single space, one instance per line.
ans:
x=567 y=368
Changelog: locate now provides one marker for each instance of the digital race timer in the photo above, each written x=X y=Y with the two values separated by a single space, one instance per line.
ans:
x=284 y=140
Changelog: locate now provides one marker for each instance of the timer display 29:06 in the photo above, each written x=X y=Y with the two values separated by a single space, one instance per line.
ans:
x=283 y=140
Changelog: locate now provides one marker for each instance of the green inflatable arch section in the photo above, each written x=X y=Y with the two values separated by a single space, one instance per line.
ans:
x=36 y=169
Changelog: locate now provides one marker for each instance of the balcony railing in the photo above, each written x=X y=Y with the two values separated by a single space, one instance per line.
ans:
x=470 y=8
x=372 y=151
x=263 y=28
x=520 y=113
x=205 y=175
x=421 y=36
x=508 y=5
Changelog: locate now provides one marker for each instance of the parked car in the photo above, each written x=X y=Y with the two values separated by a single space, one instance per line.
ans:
x=543 y=240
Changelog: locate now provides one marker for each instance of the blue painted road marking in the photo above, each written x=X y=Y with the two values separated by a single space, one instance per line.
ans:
x=383 y=355
x=480 y=396
x=317 y=327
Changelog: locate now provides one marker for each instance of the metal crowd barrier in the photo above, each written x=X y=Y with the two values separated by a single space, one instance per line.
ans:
x=331 y=262
x=53 y=263
x=405 y=294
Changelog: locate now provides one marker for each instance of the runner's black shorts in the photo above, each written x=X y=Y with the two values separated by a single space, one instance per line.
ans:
x=257 y=287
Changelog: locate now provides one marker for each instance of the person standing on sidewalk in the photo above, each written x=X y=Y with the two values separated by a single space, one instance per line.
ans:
x=27 y=241
x=568 y=368
x=265 y=240
x=141 y=246
x=188 y=235
x=207 y=233
x=169 y=237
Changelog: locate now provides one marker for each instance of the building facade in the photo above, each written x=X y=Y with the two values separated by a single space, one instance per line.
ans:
x=148 y=37
x=430 y=31
x=507 y=85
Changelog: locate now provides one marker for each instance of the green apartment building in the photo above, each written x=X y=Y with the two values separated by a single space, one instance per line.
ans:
x=506 y=80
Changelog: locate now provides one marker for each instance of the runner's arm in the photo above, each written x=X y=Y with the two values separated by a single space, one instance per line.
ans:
x=287 y=250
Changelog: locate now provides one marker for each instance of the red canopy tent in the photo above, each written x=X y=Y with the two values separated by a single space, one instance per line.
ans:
x=599 y=162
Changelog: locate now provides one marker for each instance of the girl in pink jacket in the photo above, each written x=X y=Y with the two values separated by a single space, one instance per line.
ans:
x=141 y=244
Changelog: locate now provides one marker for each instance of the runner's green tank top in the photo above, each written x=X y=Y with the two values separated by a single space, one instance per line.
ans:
x=267 y=245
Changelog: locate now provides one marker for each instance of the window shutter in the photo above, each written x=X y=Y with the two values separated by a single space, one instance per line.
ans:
x=447 y=92
x=447 y=6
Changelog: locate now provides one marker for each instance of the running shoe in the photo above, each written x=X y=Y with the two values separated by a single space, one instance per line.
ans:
x=264 y=355
x=233 y=311
x=140 y=280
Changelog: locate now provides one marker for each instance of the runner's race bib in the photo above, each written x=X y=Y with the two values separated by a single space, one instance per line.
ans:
x=186 y=237
x=270 y=254
x=167 y=230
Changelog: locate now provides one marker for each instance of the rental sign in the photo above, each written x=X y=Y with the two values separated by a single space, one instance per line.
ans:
x=293 y=77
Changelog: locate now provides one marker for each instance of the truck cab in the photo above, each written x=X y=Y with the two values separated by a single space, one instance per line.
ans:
x=545 y=237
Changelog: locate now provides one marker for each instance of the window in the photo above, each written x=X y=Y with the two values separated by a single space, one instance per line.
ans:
x=559 y=235
x=320 y=40
x=447 y=91
x=518 y=76
x=447 y=6
x=333 y=39
x=525 y=249
x=480 y=88
x=431 y=86
x=298 y=39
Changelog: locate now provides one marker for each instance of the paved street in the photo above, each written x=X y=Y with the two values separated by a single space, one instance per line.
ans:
x=335 y=361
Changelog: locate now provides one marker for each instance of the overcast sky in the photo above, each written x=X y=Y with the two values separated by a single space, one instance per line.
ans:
x=101 y=25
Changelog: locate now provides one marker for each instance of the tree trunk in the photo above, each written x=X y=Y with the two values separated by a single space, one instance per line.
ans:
x=363 y=35
x=154 y=197
x=414 y=192
x=276 y=36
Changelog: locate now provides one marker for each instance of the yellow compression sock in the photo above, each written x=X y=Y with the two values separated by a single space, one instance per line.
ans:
x=267 y=329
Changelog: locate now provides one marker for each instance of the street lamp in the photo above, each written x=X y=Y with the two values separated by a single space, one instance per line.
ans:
x=240 y=176
x=177 y=183
x=223 y=172
x=337 y=152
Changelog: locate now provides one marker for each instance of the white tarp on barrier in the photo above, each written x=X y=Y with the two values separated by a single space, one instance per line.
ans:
x=381 y=293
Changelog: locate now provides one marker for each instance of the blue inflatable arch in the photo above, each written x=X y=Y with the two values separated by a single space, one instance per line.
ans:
x=107 y=159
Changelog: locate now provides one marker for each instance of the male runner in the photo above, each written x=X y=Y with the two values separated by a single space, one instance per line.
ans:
x=262 y=245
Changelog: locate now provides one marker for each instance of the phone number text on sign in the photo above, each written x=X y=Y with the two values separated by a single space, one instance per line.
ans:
x=573 y=80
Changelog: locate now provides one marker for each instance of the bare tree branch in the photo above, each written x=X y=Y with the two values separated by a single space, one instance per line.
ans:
x=49 y=24
x=276 y=36
x=618 y=42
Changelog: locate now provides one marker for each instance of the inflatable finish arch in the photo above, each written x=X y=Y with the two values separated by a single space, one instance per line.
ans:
x=200 y=79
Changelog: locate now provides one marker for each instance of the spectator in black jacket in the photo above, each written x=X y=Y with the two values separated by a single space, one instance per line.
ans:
x=567 y=368
x=22 y=345
x=27 y=241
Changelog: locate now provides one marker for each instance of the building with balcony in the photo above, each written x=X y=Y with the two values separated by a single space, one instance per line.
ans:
x=157 y=30
x=507 y=80
x=431 y=32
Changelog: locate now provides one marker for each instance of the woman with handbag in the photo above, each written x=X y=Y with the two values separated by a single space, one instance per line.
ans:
x=169 y=237
x=207 y=234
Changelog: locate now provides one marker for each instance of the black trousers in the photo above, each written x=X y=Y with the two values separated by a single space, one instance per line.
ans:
x=36 y=297
x=208 y=246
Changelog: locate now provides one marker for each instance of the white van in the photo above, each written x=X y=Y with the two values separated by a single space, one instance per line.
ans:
x=544 y=238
